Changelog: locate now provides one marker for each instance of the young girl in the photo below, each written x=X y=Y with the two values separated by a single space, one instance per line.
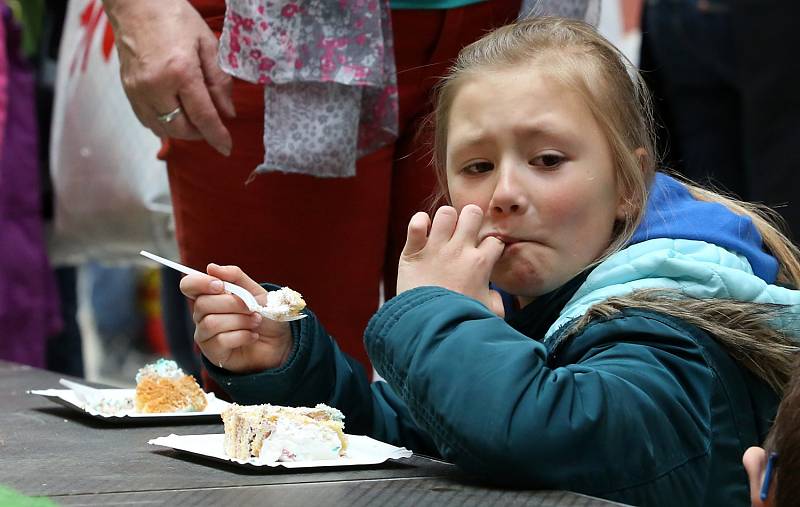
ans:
x=645 y=336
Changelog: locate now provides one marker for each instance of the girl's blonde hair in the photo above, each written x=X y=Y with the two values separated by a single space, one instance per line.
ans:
x=575 y=55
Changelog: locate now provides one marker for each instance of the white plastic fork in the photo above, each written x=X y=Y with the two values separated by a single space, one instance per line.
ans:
x=243 y=293
x=89 y=396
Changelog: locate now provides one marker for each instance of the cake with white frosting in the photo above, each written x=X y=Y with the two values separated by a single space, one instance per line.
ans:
x=276 y=433
x=163 y=387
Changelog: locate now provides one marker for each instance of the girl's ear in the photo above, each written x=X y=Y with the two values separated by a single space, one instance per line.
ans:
x=623 y=208
x=755 y=462
x=641 y=155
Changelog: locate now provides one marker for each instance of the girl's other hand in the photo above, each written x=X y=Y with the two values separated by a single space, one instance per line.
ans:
x=228 y=334
x=450 y=255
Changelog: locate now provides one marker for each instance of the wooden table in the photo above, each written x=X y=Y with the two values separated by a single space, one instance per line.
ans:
x=54 y=451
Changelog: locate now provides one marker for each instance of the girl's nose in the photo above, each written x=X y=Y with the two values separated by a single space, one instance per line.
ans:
x=508 y=197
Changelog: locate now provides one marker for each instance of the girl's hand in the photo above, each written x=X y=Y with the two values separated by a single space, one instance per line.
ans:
x=228 y=334
x=450 y=255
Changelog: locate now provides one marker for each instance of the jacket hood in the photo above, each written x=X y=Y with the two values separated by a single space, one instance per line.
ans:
x=672 y=212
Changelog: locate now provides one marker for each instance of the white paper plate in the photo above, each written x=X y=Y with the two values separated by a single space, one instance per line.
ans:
x=67 y=398
x=361 y=450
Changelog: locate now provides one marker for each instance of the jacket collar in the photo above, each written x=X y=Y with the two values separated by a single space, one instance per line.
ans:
x=535 y=318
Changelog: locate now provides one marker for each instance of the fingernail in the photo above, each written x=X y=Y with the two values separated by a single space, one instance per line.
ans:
x=225 y=149
x=216 y=286
x=254 y=336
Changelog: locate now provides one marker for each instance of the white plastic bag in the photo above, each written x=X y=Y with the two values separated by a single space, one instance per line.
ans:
x=111 y=193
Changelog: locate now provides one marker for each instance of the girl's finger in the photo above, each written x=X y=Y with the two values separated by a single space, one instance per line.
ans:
x=194 y=286
x=491 y=249
x=234 y=274
x=444 y=223
x=218 y=304
x=417 y=235
x=469 y=225
x=212 y=325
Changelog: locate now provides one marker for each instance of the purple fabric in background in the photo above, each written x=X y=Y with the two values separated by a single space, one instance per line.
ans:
x=3 y=80
x=28 y=305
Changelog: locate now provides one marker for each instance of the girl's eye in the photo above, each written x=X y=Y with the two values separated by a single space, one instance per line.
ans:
x=478 y=167
x=548 y=160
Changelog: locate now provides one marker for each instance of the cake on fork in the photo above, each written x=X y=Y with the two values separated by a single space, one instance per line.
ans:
x=283 y=304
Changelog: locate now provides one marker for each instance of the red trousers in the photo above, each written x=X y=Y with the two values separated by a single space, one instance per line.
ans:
x=333 y=240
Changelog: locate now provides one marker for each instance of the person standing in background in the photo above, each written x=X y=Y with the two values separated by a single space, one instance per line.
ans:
x=726 y=89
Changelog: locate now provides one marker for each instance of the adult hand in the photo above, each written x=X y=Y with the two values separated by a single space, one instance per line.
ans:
x=168 y=59
x=450 y=256
x=228 y=334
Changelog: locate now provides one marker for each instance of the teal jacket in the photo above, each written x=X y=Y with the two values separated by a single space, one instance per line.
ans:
x=639 y=407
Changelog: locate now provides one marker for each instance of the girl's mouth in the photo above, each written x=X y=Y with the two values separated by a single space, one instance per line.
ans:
x=508 y=240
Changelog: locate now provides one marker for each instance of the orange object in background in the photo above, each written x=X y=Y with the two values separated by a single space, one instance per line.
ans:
x=150 y=299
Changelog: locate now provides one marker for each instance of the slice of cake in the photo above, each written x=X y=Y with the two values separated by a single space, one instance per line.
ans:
x=163 y=387
x=275 y=433
x=283 y=304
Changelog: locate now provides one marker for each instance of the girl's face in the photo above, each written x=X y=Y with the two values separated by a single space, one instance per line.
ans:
x=529 y=152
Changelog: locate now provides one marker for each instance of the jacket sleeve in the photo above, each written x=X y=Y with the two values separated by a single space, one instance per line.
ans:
x=628 y=408
x=319 y=372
